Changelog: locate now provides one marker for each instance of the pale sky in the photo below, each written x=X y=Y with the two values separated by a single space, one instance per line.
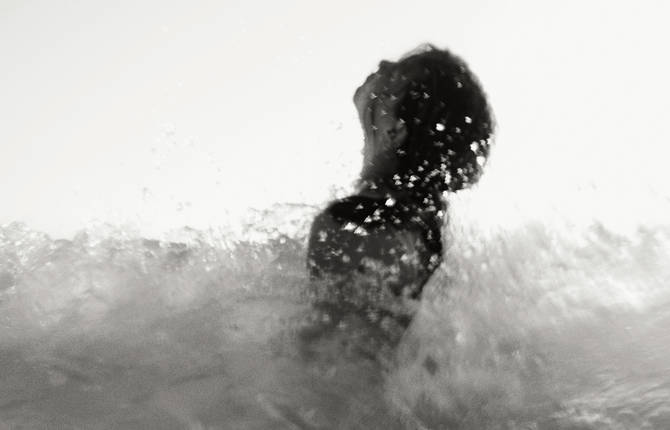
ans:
x=161 y=114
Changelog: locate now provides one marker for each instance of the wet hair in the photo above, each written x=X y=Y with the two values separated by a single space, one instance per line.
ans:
x=448 y=121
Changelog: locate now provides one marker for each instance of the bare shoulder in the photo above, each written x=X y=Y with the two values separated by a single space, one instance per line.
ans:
x=359 y=236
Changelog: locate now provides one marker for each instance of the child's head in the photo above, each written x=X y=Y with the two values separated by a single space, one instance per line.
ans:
x=426 y=121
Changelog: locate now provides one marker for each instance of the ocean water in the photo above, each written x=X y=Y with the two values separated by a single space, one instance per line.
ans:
x=543 y=325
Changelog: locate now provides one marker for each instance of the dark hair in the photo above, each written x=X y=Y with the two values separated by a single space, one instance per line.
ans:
x=448 y=120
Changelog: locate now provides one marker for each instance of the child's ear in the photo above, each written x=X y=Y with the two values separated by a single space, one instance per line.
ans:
x=398 y=133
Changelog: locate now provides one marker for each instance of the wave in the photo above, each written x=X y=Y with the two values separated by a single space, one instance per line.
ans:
x=543 y=325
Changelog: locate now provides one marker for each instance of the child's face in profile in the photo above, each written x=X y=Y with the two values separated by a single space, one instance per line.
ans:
x=377 y=101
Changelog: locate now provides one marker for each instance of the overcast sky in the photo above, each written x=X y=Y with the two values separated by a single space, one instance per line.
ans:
x=163 y=114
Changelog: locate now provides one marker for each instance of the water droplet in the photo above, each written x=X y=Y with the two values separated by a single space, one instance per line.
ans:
x=350 y=226
x=360 y=231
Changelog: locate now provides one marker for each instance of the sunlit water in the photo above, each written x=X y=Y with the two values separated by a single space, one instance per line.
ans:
x=537 y=326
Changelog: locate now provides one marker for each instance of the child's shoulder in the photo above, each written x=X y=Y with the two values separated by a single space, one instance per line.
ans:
x=367 y=211
x=355 y=208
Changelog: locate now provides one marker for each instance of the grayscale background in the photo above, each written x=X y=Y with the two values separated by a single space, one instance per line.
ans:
x=164 y=114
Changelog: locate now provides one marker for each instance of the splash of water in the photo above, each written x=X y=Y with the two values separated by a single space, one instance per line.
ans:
x=542 y=325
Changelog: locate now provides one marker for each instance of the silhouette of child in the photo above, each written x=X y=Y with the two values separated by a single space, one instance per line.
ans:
x=427 y=129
